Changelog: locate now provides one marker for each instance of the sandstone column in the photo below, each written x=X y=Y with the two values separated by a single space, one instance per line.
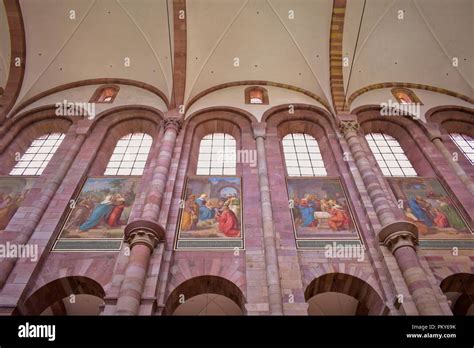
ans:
x=160 y=176
x=399 y=236
x=435 y=137
x=143 y=235
x=47 y=193
x=271 y=257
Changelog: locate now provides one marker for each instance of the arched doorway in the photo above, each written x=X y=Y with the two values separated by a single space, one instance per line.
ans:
x=65 y=296
x=343 y=294
x=459 y=289
x=205 y=295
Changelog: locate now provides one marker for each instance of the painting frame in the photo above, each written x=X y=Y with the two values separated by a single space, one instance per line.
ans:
x=203 y=243
x=318 y=242
x=30 y=181
x=115 y=242
x=469 y=236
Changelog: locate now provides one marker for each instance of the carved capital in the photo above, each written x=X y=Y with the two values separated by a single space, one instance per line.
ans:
x=172 y=123
x=399 y=234
x=144 y=232
x=347 y=127
x=259 y=130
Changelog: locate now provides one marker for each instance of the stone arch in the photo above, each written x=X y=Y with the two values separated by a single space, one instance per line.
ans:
x=459 y=288
x=218 y=120
x=205 y=284
x=55 y=291
x=452 y=119
x=408 y=132
x=97 y=81
x=257 y=83
x=21 y=132
x=369 y=302
x=115 y=123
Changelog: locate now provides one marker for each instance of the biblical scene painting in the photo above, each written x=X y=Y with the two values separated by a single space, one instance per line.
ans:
x=100 y=211
x=427 y=204
x=12 y=193
x=211 y=209
x=320 y=209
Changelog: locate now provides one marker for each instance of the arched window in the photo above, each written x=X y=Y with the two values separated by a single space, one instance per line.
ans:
x=465 y=143
x=389 y=155
x=217 y=155
x=105 y=94
x=37 y=157
x=256 y=95
x=130 y=155
x=405 y=96
x=302 y=155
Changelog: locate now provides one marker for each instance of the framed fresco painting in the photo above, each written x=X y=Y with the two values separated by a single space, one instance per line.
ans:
x=98 y=215
x=428 y=205
x=13 y=190
x=321 y=212
x=211 y=214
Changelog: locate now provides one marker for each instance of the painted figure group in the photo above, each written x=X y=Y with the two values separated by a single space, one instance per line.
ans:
x=200 y=213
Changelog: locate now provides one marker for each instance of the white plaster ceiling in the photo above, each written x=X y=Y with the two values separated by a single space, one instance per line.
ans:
x=5 y=51
x=95 y=44
x=417 y=49
x=269 y=45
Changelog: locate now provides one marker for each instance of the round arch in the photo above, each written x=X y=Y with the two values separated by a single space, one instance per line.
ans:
x=459 y=288
x=358 y=297
x=233 y=301
x=53 y=293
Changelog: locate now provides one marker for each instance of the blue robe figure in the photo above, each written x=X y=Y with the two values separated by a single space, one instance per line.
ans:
x=100 y=212
x=204 y=212
x=307 y=214
x=419 y=212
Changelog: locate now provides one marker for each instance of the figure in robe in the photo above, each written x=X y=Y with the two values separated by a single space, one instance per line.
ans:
x=190 y=214
x=422 y=228
x=205 y=210
x=228 y=223
x=8 y=208
x=80 y=213
x=100 y=213
x=113 y=220
x=234 y=205
x=339 y=219
x=307 y=210
x=419 y=212
x=440 y=219
x=451 y=214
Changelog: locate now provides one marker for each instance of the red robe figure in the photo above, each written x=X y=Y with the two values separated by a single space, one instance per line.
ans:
x=113 y=220
x=228 y=223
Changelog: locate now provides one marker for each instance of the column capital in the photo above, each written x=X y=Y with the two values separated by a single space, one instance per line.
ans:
x=173 y=123
x=259 y=130
x=433 y=131
x=398 y=234
x=144 y=232
x=348 y=126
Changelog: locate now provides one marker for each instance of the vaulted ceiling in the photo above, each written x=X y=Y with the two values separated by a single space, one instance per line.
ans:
x=288 y=43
